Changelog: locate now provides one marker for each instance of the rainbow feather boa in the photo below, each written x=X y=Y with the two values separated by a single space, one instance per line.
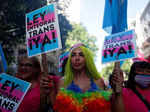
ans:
x=69 y=101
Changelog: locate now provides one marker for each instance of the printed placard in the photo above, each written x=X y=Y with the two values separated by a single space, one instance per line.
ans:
x=119 y=46
x=61 y=60
x=12 y=92
x=42 y=30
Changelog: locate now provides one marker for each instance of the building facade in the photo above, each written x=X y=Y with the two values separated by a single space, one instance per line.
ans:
x=141 y=24
x=143 y=31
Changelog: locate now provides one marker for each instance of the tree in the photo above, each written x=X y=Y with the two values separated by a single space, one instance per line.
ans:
x=79 y=34
x=12 y=23
x=106 y=71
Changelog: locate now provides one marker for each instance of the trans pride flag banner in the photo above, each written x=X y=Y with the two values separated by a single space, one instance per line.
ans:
x=119 y=46
x=62 y=58
x=42 y=30
x=12 y=92
x=115 y=16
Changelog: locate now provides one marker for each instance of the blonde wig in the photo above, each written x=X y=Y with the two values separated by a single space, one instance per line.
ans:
x=90 y=66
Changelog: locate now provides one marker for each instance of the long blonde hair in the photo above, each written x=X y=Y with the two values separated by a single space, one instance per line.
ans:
x=90 y=66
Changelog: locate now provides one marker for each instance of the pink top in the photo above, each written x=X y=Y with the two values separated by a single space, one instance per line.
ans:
x=31 y=101
x=133 y=103
x=56 y=80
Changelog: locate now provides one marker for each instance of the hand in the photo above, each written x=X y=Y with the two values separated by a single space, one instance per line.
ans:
x=117 y=78
x=46 y=84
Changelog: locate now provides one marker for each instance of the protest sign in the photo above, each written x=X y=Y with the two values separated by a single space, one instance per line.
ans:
x=42 y=30
x=12 y=92
x=119 y=46
x=61 y=60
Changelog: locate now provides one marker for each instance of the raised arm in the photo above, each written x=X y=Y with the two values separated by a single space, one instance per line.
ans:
x=117 y=84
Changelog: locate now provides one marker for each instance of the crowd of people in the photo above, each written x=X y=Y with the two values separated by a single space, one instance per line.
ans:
x=82 y=88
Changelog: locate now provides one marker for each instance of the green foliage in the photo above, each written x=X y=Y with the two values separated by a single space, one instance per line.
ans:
x=106 y=71
x=79 y=34
x=126 y=67
x=12 y=24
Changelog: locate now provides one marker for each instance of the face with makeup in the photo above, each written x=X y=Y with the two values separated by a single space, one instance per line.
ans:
x=77 y=59
x=27 y=69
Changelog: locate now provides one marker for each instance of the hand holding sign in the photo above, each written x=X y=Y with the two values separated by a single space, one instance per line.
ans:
x=117 y=78
x=119 y=46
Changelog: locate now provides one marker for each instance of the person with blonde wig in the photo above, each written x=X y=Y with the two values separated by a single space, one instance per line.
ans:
x=82 y=88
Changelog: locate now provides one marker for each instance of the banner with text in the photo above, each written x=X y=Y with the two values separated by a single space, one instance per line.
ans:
x=12 y=92
x=119 y=46
x=62 y=58
x=42 y=30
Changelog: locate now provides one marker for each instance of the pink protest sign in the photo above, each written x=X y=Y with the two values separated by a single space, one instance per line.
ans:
x=119 y=46
x=42 y=30
x=12 y=92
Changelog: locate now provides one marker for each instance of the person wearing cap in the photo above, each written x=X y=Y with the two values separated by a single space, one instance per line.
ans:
x=82 y=88
x=136 y=96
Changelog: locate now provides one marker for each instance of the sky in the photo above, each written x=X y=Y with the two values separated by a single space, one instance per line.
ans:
x=91 y=13
x=91 y=16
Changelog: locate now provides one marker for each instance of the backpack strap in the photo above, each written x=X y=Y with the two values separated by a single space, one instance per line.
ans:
x=147 y=104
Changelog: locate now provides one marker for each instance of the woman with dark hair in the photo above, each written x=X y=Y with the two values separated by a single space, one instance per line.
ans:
x=136 y=69
x=136 y=96
x=29 y=70
x=82 y=88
